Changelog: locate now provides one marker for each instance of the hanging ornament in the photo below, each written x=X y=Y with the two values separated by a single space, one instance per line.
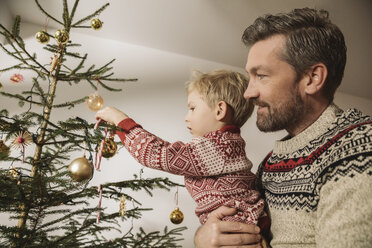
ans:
x=61 y=36
x=176 y=216
x=13 y=173
x=81 y=169
x=16 y=78
x=96 y=24
x=101 y=146
x=53 y=63
x=42 y=37
x=94 y=102
x=109 y=148
x=123 y=208
x=20 y=141
x=23 y=138
x=4 y=151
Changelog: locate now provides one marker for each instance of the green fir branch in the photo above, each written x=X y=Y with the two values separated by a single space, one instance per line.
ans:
x=11 y=67
x=12 y=54
x=21 y=98
x=96 y=13
x=51 y=48
x=42 y=94
x=80 y=65
x=147 y=185
x=46 y=13
x=74 y=55
x=82 y=26
x=70 y=104
x=65 y=15
x=93 y=85
x=105 y=86
x=9 y=35
x=73 y=11
x=16 y=26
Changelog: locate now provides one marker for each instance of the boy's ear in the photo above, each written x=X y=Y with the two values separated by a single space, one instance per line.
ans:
x=317 y=76
x=221 y=110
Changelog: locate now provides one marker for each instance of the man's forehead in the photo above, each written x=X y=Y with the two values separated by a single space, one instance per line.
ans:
x=264 y=52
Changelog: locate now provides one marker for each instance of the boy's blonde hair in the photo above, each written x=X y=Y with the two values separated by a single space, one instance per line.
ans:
x=223 y=85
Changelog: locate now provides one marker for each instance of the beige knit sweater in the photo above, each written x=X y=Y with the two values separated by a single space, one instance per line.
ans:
x=318 y=184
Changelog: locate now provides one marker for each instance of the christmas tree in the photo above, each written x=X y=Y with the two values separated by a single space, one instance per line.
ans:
x=48 y=193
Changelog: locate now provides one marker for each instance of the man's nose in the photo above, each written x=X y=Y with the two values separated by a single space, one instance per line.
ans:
x=251 y=91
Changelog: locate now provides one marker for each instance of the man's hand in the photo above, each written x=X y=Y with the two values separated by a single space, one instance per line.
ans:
x=217 y=233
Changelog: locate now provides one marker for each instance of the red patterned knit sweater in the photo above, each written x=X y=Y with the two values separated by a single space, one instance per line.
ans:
x=215 y=167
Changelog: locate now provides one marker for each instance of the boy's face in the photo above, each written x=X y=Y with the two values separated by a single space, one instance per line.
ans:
x=200 y=118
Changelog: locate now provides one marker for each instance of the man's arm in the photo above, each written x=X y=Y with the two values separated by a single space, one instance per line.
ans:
x=216 y=233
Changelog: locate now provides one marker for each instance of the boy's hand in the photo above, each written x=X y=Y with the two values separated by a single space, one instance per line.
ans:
x=111 y=115
x=217 y=233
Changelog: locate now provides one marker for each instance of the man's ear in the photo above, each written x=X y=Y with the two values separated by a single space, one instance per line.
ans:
x=317 y=76
x=221 y=110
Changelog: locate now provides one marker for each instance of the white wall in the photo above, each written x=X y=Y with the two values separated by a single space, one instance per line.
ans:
x=158 y=102
x=5 y=18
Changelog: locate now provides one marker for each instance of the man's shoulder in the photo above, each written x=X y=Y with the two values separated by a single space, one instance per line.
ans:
x=351 y=130
x=348 y=151
x=342 y=133
x=350 y=118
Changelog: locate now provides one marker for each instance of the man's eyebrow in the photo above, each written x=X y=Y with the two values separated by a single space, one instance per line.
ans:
x=256 y=68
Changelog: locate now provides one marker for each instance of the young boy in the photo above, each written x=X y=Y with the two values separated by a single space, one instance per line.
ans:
x=214 y=164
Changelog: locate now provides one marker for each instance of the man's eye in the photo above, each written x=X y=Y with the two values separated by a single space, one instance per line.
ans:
x=260 y=76
x=192 y=108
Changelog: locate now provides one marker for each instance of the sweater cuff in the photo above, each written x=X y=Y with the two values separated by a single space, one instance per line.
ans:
x=126 y=124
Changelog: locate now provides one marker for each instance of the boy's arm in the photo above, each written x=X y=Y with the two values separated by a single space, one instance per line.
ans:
x=148 y=149
x=201 y=157
x=153 y=152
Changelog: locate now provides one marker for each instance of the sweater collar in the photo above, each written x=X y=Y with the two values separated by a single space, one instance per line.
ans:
x=230 y=128
x=290 y=145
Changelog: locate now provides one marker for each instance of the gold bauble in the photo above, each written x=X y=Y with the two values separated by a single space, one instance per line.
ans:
x=4 y=151
x=61 y=36
x=42 y=37
x=94 y=102
x=110 y=148
x=13 y=173
x=81 y=169
x=96 y=24
x=176 y=216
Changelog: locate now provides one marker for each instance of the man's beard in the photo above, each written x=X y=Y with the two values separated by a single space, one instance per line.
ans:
x=284 y=116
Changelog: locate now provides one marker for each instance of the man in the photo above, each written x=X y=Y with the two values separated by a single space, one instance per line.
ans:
x=317 y=180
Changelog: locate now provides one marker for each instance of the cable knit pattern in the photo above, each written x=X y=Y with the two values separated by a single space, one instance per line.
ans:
x=318 y=184
x=215 y=167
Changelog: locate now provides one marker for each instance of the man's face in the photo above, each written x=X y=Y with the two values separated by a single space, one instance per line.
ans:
x=273 y=87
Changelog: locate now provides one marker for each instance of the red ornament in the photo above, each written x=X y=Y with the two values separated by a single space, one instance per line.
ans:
x=16 y=78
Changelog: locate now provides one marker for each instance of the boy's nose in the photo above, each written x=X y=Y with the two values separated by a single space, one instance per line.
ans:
x=251 y=91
